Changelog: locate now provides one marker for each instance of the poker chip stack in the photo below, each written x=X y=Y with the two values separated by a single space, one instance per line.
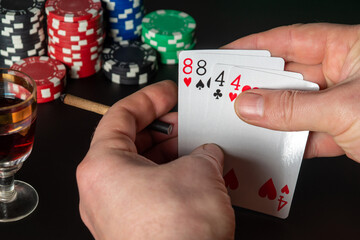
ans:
x=169 y=32
x=76 y=35
x=130 y=62
x=124 y=19
x=22 y=30
x=49 y=75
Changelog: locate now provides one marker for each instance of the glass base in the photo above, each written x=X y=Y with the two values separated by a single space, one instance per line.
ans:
x=24 y=203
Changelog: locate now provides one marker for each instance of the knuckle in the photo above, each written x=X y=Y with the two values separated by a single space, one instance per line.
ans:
x=82 y=173
x=287 y=104
x=87 y=173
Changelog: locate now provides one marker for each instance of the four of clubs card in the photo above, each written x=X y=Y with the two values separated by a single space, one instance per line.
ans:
x=261 y=165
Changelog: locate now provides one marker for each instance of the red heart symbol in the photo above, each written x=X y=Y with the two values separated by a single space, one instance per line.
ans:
x=231 y=180
x=232 y=96
x=187 y=81
x=268 y=190
x=285 y=189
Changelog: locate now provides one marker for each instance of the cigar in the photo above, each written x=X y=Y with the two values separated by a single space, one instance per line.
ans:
x=101 y=109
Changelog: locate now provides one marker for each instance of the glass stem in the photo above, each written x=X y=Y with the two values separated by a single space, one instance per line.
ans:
x=7 y=189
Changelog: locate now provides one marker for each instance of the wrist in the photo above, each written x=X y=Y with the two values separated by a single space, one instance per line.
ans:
x=172 y=226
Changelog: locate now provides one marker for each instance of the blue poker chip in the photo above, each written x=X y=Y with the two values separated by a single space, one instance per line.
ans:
x=124 y=31
x=127 y=10
x=121 y=17
x=124 y=18
x=125 y=36
x=122 y=22
x=112 y=5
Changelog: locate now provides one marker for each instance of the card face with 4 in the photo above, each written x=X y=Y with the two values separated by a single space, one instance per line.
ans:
x=261 y=165
x=195 y=66
x=195 y=74
x=260 y=53
x=195 y=77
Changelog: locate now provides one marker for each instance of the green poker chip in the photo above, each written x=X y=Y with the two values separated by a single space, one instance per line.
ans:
x=169 y=23
x=168 y=40
x=169 y=32
x=163 y=47
x=171 y=57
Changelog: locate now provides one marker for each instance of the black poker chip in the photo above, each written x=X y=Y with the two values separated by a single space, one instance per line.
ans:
x=129 y=62
x=21 y=28
x=7 y=61
x=23 y=54
x=139 y=80
x=17 y=38
x=20 y=48
x=20 y=9
x=128 y=53
x=22 y=32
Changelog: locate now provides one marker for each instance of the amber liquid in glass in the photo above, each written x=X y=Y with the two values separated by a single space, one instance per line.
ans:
x=15 y=145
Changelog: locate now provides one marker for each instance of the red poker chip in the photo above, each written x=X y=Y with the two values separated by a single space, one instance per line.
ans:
x=83 y=74
x=73 y=10
x=62 y=41
x=67 y=53
x=77 y=47
x=54 y=50
x=49 y=75
x=92 y=36
x=82 y=69
x=80 y=26
x=74 y=73
x=86 y=70
x=70 y=49
x=17 y=90
x=71 y=35
x=76 y=60
x=47 y=95
x=69 y=61
x=74 y=55
x=74 y=39
x=75 y=35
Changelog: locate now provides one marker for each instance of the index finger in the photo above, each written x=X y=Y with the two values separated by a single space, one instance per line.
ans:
x=130 y=115
x=301 y=43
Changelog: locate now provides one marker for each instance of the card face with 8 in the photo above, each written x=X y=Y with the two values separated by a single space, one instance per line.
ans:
x=261 y=165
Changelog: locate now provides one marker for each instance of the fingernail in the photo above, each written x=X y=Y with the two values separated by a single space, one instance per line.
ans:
x=250 y=105
x=213 y=151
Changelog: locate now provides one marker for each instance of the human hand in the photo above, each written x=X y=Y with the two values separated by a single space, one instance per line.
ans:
x=131 y=189
x=327 y=54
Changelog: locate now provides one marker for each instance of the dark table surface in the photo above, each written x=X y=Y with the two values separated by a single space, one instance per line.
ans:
x=326 y=201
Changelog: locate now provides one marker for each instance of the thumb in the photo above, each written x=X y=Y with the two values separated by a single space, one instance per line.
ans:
x=212 y=153
x=291 y=110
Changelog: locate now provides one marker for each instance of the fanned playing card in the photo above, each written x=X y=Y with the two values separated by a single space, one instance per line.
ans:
x=261 y=165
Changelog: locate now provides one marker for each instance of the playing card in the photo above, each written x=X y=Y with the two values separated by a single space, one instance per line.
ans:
x=195 y=66
x=195 y=73
x=260 y=53
x=261 y=165
x=285 y=73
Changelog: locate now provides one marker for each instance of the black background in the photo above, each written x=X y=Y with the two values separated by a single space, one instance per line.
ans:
x=327 y=197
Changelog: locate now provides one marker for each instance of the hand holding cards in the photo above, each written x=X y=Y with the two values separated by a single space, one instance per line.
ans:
x=261 y=165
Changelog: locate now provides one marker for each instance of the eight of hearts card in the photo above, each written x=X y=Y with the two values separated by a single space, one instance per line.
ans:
x=261 y=165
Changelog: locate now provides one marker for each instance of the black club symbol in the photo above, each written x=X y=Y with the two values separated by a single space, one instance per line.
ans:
x=218 y=94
